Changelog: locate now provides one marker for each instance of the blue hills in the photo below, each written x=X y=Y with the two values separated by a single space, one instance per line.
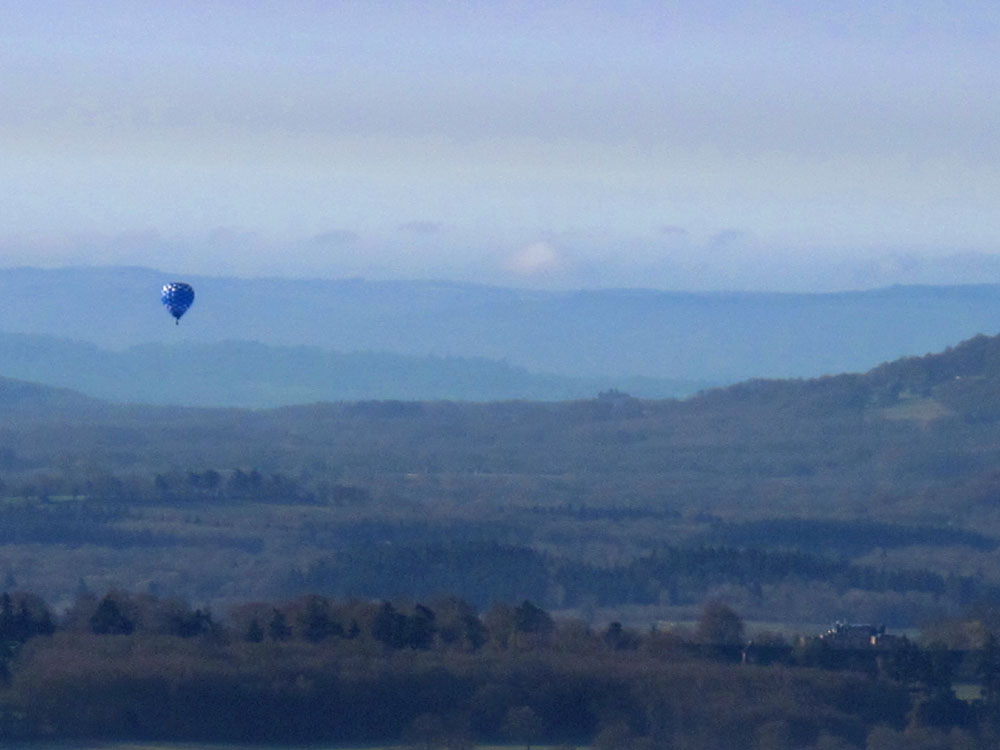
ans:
x=268 y=342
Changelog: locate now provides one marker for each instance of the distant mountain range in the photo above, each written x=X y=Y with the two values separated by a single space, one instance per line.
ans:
x=254 y=375
x=19 y=396
x=263 y=342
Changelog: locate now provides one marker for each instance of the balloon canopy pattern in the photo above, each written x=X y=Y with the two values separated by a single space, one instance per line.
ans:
x=177 y=298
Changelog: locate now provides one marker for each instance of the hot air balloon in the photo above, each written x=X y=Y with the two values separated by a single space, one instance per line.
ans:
x=177 y=298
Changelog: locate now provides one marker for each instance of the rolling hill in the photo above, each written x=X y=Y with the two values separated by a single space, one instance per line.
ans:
x=704 y=337
x=254 y=375
x=872 y=496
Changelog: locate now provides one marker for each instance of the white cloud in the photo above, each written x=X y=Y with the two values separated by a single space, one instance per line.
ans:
x=536 y=258
x=336 y=238
x=420 y=227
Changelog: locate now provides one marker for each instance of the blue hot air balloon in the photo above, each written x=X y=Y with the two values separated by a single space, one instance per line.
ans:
x=177 y=298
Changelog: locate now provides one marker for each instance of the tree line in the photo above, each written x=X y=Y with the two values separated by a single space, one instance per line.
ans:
x=385 y=550
x=487 y=571
x=441 y=675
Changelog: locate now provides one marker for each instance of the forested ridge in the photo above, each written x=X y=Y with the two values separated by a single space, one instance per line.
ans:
x=441 y=675
x=864 y=496
x=871 y=498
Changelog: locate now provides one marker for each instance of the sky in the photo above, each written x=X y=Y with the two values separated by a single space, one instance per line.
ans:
x=696 y=144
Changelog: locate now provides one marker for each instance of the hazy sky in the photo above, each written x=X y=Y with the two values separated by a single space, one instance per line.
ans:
x=682 y=145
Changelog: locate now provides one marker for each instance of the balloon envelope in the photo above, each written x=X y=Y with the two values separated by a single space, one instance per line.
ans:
x=177 y=298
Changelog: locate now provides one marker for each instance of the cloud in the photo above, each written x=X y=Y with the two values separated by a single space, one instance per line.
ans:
x=728 y=239
x=533 y=259
x=420 y=227
x=336 y=237
x=673 y=231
